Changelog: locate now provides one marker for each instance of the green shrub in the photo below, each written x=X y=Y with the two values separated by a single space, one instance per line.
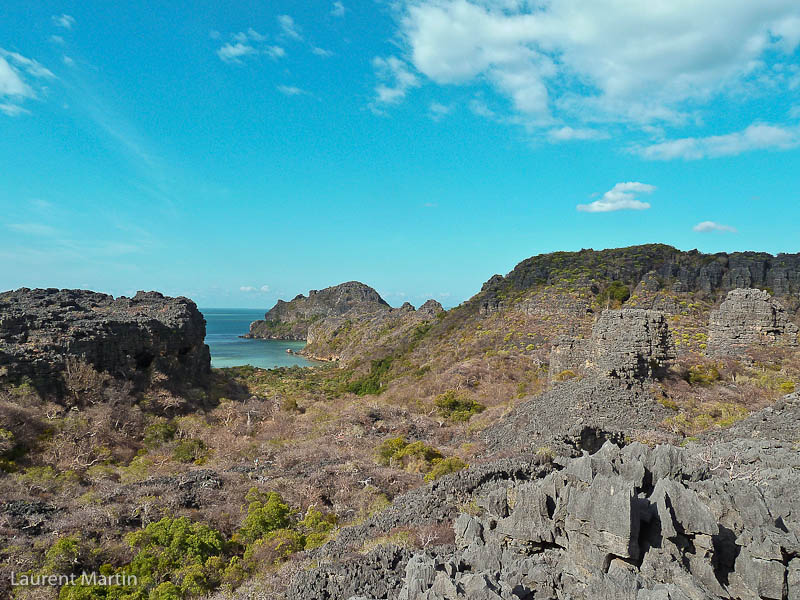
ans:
x=616 y=293
x=189 y=450
x=388 y=449
x=316 y=528
x=159 y=433
x=703 y=374
x=444 y=467
x=374 y=382
x=457 y=407
x=266 y=512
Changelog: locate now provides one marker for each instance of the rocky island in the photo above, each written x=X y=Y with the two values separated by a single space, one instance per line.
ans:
x=597 y=424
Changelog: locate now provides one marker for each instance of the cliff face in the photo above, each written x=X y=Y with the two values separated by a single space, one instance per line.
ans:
x=41 y=330
x=291 y=320
x=666 y=266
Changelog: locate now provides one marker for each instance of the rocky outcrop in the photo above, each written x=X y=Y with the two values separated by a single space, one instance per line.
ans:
x=628 y=344
x=749 y=318
x=631 y=523
x=291 y=320
x=43 y=330
x=631 y=344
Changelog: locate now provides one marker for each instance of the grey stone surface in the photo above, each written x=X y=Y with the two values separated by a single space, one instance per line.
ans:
x=749 y=318
x=42 y=329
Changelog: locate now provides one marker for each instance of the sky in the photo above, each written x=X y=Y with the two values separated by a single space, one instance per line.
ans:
x=237 y=153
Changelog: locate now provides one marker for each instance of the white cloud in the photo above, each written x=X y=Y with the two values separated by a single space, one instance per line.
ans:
x=13 y=87
x=251 y=35
x=56 y=39
x=289 y=27
x=36 y=229
x=480 y=108
x=707 y=226
x=338 y=9
x=290 y=90
x=252 y=289
x=601 y=60
x=65 y=21
x=621 y=197
x=566 y=134
x=321 y=52
x=13 y=110
x=233 y=52
x=68 y=61
x=757 y=136
x=794 y=112
x=275 y=52
x=439 y=110
x=397 y=79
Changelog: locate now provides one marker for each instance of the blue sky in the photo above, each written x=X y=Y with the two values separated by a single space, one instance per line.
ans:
x=241 y=152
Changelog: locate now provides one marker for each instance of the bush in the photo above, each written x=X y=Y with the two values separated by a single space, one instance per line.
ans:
x=159 y=433
x=266 y=512
x=374 y=382
x=190 y=450
x=457 y=407
x=616 y=293
x=316 y=528
x=444 y=467
x=703 y=374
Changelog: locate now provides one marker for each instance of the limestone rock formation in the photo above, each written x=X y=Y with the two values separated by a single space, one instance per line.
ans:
x=628 y=344
x=631 y=344
x=631 y=523
x=749 y=318
x=41 y=330
x=291 y=320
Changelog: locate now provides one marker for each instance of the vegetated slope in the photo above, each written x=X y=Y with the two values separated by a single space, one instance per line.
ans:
x=291 y=320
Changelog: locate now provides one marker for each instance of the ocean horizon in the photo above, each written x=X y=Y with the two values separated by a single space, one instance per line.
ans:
x=224 y=328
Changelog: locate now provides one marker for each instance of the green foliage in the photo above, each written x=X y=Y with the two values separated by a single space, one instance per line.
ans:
x=189 y=450
x=457 y=407
x=266 y=512
x=374 y=382
x=388 y=449
x=565 y=375
x=703 y=374
x=444 y=467
x=316 y=528
x=616 y=293
x=159 y=433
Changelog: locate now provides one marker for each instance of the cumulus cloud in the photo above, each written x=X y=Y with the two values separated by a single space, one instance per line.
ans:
x=321 y=52
x=289 y=27
x=338 y=9
x=233 y=53
x=65 y=21
x=621 y=197
x=758 y=136
x=707 y=226
x=601 y=60
x=249 y=289
x=396 y=79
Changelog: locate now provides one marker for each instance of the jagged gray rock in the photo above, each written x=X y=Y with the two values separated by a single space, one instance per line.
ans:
x=41 y=330
x=632 y=523
x=749 y=318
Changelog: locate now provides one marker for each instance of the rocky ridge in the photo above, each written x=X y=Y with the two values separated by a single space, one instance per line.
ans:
x=291 y=320
x=43 y=330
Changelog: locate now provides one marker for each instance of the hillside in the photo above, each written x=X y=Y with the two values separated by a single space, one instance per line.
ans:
x=439 y=454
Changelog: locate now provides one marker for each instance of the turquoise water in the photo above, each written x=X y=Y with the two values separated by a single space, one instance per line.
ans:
x=223 y=328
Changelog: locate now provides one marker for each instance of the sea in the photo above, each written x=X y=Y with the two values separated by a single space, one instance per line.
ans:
x=223 y=328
